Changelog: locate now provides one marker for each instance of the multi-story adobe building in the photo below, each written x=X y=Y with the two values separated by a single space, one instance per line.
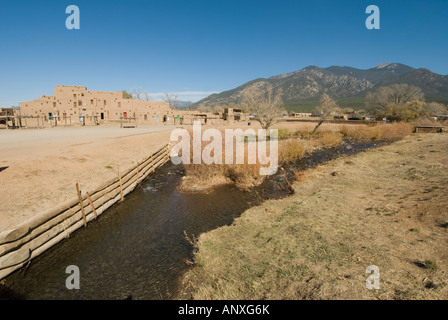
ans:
x=76 y=103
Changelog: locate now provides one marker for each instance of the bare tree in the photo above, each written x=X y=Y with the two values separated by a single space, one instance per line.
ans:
x=396 y=94
x=140 y=94
x=436 y=109
x=328 y=108
x=136 y=93
x=266 y=105
x=398 y=102
x=171 y=98
x=145 y=96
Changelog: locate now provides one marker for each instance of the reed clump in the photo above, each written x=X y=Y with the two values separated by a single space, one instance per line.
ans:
x=386 y=132
x=293 y=145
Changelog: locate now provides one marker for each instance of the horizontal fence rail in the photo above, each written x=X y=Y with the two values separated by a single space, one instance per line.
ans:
x=30 y=238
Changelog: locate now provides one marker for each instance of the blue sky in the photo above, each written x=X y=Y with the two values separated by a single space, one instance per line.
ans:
x=196 y=47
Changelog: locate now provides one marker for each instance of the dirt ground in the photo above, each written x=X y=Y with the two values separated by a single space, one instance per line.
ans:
x=39 y=168
x=386 y=207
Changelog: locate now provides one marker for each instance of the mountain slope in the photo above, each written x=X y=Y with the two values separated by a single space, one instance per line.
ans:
x=303 y=89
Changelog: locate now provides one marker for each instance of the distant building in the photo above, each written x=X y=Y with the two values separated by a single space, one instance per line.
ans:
x=6 y=112
x=232 y=114
x=7 y=117
x=302 y=114
x=360 y=115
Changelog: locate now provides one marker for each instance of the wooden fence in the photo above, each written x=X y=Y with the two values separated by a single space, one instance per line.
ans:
x=29 y=239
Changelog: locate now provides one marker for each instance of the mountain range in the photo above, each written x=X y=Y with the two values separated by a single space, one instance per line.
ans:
x=303 y=89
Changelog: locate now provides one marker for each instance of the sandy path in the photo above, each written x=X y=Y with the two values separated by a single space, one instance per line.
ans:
x=40 y=168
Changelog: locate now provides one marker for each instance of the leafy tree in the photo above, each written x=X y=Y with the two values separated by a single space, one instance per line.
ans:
x=126 y=95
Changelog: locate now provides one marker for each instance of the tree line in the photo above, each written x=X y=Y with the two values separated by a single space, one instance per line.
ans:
x=395 y=103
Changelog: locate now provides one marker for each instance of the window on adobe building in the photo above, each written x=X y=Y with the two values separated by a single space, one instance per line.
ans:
x=79 y=102
x=54 y=104
x=119 y=104
x=91 y=102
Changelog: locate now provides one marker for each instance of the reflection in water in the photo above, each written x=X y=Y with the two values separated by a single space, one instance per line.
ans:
x=138 y=248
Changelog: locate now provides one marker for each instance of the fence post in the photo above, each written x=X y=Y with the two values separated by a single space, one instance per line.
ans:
x=91 y=204
x=81 y=204
x=121 y=185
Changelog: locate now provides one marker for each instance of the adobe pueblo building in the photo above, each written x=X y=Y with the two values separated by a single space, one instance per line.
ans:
x=76 y=104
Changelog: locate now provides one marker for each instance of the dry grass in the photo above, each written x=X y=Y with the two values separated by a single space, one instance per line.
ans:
x=317 y=243
x=330 y=138
x=204 y=177
x=292 y=150
x=245 y=176
x=387 y=132
x=294 y=143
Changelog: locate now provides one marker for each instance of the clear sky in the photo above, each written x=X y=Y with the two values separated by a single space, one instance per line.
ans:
x=196 y=47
